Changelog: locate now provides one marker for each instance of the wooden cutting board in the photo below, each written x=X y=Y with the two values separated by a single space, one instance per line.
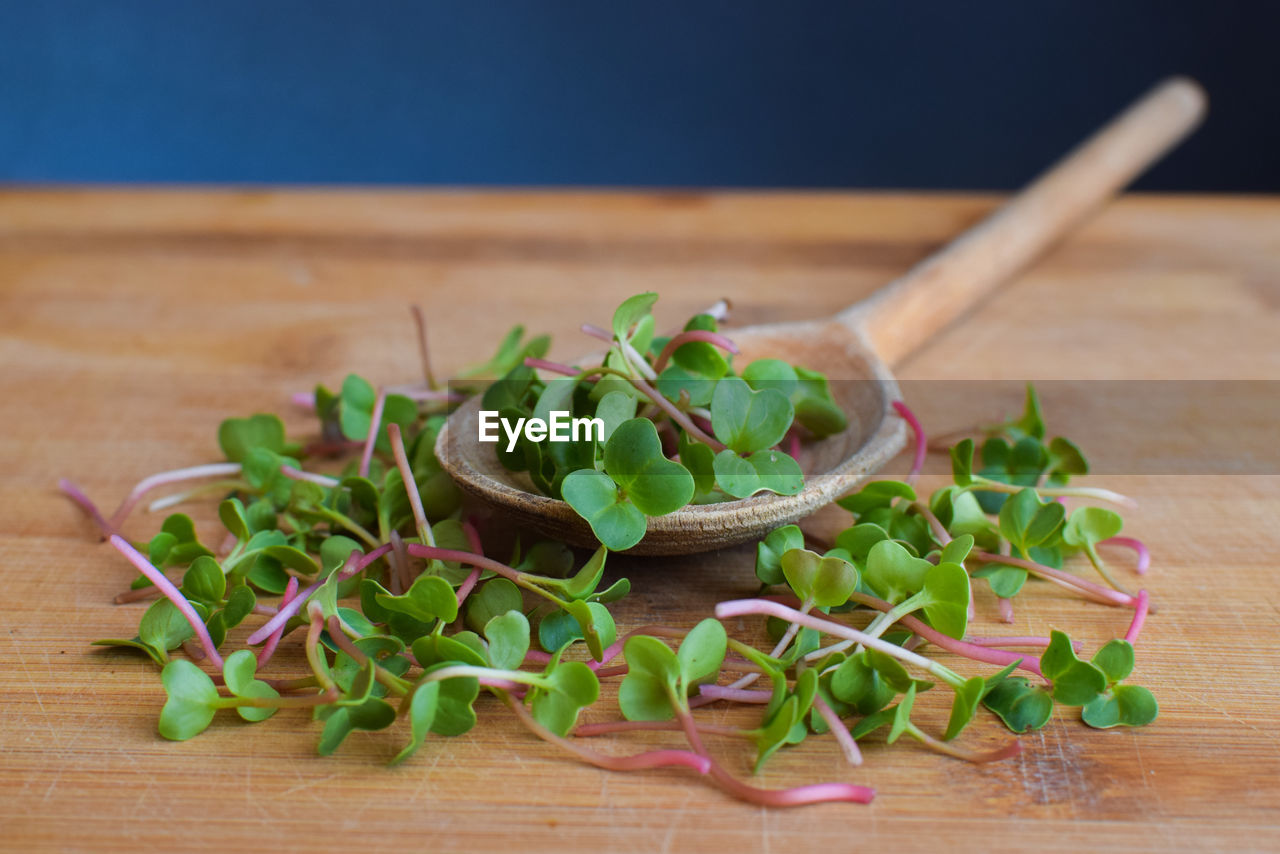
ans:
x=132 y=322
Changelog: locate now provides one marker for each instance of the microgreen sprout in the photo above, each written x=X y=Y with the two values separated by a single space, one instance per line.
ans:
x=393 y=607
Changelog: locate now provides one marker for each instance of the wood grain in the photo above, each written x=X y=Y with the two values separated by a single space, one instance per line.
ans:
x=132 y=322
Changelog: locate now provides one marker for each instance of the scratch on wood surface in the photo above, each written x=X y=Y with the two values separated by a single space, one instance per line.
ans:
x=1056 y=774
x=1202 y=701
x=673 y=825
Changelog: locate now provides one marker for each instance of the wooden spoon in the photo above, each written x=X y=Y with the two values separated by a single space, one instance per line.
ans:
x=862 y=341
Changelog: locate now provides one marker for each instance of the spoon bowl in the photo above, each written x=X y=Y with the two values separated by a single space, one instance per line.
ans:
x=856 y=348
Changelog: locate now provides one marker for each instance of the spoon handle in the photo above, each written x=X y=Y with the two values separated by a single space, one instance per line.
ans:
x=904 y=314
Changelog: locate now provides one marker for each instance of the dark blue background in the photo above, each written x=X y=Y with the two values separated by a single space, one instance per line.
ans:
x=744 y=93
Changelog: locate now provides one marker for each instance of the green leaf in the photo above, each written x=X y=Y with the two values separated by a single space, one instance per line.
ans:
x=1115 y=660
x=776 y=731
x=508 y=637
x=423 y=703
x=613 y=409
x=595 y=497
x=771 y=373
x=1021 y=705
x=653 y=673
x=163 y=627
x=1026 y=521
x=962 y=462
x=493 y=599
x=573 y=686
x=373 y=714
x=770 y=550
x=204 y=580
x=631 y=312
x=1005 y=581
x=428 y=598
x=957 y=550
x=856 y=682
x=767 y=470
x=747 y=420
x=1123 y=705
x=192 y=700
x=633 y=459
x=557 y=629
x=699 y=459
x=1075 y=682
x=1066 y=459
x=826 y=581
x=238 y=672
x=945 y=599
x=598 y=628
x=858 y=540
x=964 y=706
x=877 y=494
x=893 y=673
x=584 y=583
x=356 y=413
x=701 y=653
x=232 y=514
x=815 y=408
x=454 y=712
x=238 y=436
x=547 y=558
x=1089 y=526
x=893 y=573
x=902 y=715
x=1032 y=422
x=464 y=647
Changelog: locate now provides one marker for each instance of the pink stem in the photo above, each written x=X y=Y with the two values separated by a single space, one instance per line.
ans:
x=430 y=394
x=310 y=477
x=793 y=444
x=1141 y=605
x=1037 y=642
x=305 y=399
x=553 y=367
x=356 y=561
x=737 y=695
x=713 y=338
x=842 y=735
x=269 y=648
x=375 y=424
x=424 y=352
x=922 y=444
x=410 y=485
x=652 y=759
x=535 y=656
x=797 y=796
x=1144 y=556
x=175 y=596
x=1006 y=609
x=77 y=495
x=676 y=415
x=597 y=332
x=1031 y=664
x=1095 y=591
x=401 y=574
x=469 y=584
x=473 y=536
x=773 y=608
x=176 y=476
